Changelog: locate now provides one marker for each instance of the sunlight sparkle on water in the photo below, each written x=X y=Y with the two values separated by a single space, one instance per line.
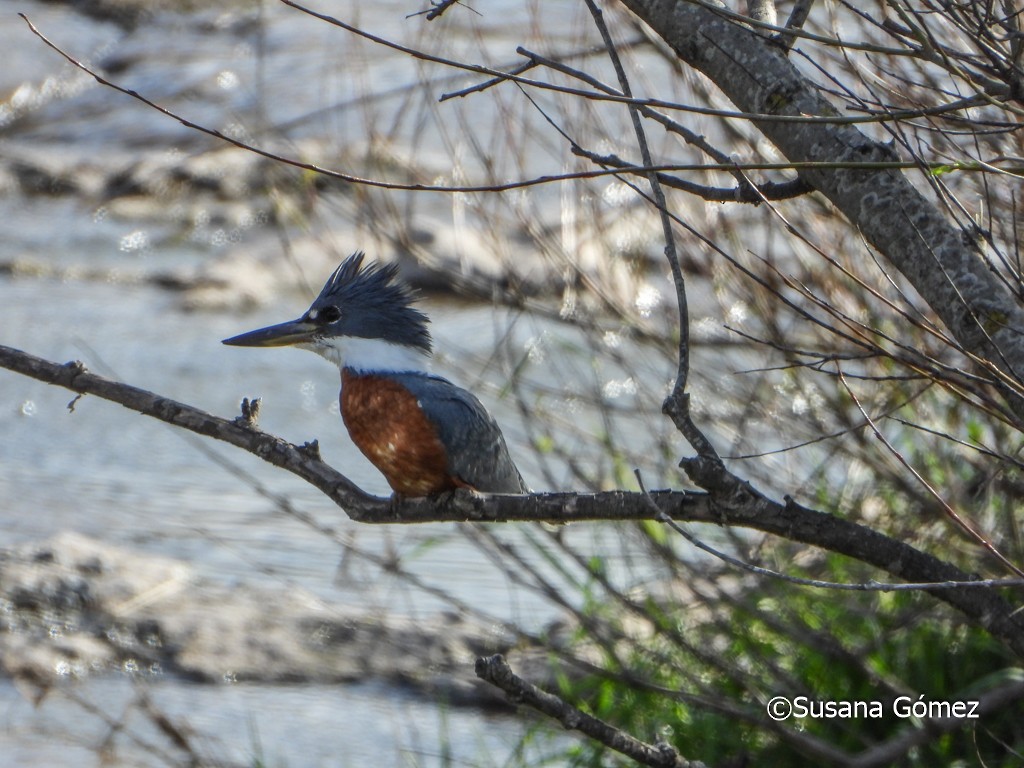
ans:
x=618 y=388
x=227 y=80
x=738 y=312
x=134 y=241
x=647 y=298
x=308 y=392
x=237 y=131
x=618 y=193
x=705 y=328
x=536 y=349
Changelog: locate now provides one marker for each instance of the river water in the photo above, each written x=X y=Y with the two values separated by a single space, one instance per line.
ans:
x=134 y=482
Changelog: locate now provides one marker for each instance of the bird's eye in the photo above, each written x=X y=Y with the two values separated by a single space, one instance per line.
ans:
x=328 y=315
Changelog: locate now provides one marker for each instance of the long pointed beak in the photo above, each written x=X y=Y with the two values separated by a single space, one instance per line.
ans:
x=281 y=335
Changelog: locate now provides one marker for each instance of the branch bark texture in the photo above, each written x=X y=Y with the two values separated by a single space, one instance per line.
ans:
x=942 y=264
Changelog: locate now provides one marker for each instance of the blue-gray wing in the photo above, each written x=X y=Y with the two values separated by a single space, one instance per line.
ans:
x=477 y=454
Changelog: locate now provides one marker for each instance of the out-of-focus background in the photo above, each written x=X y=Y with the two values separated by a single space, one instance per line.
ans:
x=165 y=600
x=135 y=244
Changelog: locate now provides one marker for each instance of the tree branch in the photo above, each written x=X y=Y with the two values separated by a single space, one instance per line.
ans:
x=936 y=257
x=730 y=501
x=747 y=192
x=496 y=671
x=795 y=23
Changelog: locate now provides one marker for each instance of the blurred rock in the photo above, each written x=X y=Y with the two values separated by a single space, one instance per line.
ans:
x=74 y=606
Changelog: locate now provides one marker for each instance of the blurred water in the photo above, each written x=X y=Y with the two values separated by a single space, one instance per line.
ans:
x=280 y=725
x=130 y=480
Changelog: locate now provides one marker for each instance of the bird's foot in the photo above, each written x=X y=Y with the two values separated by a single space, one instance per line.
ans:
x=458 y=497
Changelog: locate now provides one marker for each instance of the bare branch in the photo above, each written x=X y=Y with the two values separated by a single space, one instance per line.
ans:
x=893 y=215
x=730 y=501
x=495 y=670
x=437 y=8
x=795 y=23
x=762 y=12
x=744 y=193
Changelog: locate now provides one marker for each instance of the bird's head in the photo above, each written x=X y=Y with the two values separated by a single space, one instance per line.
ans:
x=363 y=319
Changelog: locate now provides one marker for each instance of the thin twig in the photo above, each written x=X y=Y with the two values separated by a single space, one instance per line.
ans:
x=677 y=403
x=495 y=670
x=950 y=512
x=794 y=24
x=745 y=192
x=761 y=117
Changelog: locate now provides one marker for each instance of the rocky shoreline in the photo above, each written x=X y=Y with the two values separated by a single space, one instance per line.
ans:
x=254 y=217
x=74 y=606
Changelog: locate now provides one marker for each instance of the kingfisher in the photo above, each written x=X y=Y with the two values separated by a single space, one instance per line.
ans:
x=424 y=434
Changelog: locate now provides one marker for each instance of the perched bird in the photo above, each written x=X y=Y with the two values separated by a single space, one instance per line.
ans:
x=424 y=434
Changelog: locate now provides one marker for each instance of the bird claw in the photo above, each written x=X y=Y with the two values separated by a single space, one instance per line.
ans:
x=456 y=495
x=447 y=497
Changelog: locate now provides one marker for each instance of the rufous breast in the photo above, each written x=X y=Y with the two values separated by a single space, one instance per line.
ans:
x=386 y=423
